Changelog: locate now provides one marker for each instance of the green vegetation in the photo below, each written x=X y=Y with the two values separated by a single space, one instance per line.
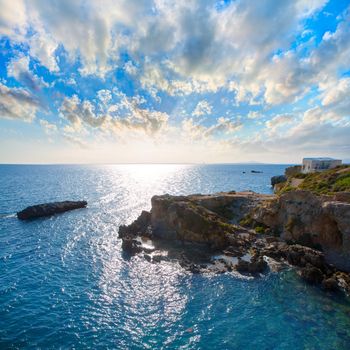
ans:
x=342 y=184
x=325 y=182
x=246 y=221
x=300 y=176
x=260 y=229
x=249 y=222
x=225 y=226
x=286 y=188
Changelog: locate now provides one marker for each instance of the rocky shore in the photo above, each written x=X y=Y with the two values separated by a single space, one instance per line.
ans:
x=248 y=233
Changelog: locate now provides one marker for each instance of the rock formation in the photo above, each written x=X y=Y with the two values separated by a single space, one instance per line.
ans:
x=246 y=229
x=312 y=220
x=278 y=179
x=48 y=209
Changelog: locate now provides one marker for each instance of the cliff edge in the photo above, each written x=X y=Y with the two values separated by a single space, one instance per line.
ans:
x=250 y=233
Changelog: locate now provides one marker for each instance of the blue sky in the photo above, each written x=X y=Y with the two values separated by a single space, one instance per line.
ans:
x=174 y=81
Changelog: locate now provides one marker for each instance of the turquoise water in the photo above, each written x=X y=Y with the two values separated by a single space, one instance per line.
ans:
x=64 y=283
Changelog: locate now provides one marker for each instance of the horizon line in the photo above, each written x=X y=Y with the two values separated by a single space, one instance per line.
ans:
x=156 y=163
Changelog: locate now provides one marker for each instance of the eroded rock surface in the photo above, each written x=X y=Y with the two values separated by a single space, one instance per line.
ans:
x=320 y=221
x=264 y=228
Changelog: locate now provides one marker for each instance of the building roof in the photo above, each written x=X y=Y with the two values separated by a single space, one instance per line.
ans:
x=320 y=159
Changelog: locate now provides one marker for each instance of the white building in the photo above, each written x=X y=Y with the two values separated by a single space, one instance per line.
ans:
x=311 y=165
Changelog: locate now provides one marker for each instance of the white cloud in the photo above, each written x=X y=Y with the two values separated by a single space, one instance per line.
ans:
x=81 y=114
x=13 y=19
x=205 y=48
x=104 y=96
x=49 y=128
x=203 y=107
x=43 y=48
x=88 y=30
x=17 y=103
x=153 y=78
x=245 y=52
x=76 y=141
x=336 y=94
x=277 y=122
x=78 y=113
x=130 y=68
x=197 y=131
x=18 y=68
x=254 y=115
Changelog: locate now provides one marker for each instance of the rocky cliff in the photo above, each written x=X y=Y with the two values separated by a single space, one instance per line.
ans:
x=209 y=219
x=321 y=221
x=300 y=228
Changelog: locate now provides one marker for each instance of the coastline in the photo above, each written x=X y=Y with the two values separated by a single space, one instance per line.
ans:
x=250 y=233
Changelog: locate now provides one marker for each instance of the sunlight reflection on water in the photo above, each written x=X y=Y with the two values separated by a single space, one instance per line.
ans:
x=65 y=282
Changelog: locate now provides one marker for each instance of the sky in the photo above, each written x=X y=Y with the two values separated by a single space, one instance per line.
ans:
x=174 y=81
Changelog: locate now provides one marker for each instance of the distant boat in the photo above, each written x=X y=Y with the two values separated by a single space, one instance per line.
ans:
x=256 y=171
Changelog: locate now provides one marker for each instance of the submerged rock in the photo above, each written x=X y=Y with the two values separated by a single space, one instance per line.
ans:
x=131 y=246
x=48 y=209
x=312 y=274
x=256 y=265
x=330 y=284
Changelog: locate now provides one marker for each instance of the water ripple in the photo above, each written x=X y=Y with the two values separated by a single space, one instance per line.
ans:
x=64 y=282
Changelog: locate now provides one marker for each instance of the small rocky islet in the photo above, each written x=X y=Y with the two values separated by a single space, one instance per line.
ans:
x=48 y=209
x=251 y=233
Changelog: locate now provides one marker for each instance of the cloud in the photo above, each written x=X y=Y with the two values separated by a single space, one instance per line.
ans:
x=148 y=122
x=197 y=131
x=181 y=47
x=335 y=104
x=254 y=115
x=272 y=55
x=304 y=138
x=288 y=77
x=78 y=113
x=17 y=103
x=76 y=141
x=160 y=77
x=49 y=128
x=89 y=31
x=18 y=68
x=316 y=137
x=43 y=48
x=221 y=49
x=203 y=107
x=277 y=122
x=130 y=68
x=81 y=114
x=335 y=96
x=104 y=96
x=225 y=125
x=13 y=19
x=219 y=46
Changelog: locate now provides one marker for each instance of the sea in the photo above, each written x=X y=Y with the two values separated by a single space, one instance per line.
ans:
x=65 y=284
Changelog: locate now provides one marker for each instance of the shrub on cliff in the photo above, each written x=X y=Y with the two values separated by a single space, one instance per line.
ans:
x=325 y=182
